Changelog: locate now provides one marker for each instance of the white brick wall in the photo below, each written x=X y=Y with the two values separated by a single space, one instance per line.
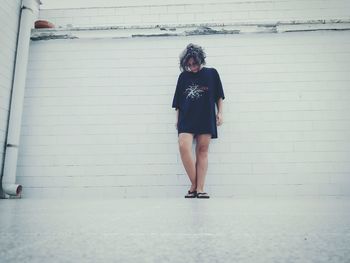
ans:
x=9 y=15
x=98 y=119
x=203 y=11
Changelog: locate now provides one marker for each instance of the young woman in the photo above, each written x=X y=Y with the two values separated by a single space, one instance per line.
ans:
x=198 y=90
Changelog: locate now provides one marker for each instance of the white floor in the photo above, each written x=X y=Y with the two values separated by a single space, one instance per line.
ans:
x=175 y=230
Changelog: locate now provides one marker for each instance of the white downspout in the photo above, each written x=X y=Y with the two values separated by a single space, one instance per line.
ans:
x=29 y=11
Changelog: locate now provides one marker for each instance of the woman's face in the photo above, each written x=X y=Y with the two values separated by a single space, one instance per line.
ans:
x=192 y=65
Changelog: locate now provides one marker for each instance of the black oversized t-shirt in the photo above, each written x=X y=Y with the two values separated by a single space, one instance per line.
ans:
x=195 y=97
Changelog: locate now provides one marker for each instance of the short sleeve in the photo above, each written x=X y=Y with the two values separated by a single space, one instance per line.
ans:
x=176 y=99
x=219 y=91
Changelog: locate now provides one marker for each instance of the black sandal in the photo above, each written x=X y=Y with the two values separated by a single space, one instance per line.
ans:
x=202 y=195
x=190 y=194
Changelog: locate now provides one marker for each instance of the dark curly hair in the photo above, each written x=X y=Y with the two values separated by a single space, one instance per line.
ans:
x=192 y=51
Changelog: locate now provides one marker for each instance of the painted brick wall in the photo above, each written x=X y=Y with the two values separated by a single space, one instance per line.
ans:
x=9 y=15
x=98 y=120
x=198 y=11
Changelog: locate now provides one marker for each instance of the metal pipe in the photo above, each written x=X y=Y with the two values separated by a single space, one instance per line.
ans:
x=29 y=11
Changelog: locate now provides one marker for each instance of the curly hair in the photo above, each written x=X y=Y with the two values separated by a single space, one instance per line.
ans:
x=192 y=51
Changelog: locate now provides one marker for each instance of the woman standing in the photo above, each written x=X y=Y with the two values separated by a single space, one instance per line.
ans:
x=198 y=90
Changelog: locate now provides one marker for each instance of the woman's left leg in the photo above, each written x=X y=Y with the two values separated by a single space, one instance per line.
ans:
x=202 y=146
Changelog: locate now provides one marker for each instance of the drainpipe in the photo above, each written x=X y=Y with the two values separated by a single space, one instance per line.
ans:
x=28 y=13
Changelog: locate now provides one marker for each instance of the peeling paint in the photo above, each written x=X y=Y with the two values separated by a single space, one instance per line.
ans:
x=211 y=32
x=153 y=35
x=321 y=29
x=99 y=32
x=170 y=29
x=51 y=36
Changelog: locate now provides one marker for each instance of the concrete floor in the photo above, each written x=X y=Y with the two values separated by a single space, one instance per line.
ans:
x=175 y=230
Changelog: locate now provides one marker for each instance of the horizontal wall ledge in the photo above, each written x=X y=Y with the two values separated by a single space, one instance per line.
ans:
x=131 y=31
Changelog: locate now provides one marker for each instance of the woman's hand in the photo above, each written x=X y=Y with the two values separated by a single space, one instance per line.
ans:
x=219 y=119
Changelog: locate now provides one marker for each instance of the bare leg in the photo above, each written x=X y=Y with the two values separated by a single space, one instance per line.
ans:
x=202 y=147
x=185 y=147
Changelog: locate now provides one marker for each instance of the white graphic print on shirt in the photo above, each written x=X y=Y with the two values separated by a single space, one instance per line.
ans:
x=195 y=91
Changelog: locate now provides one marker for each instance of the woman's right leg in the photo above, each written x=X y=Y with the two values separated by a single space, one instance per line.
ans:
x=185 y=147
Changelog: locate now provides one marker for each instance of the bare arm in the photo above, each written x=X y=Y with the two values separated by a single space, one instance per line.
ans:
x=219 y=117
x=219 y=105
x=177 y=117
